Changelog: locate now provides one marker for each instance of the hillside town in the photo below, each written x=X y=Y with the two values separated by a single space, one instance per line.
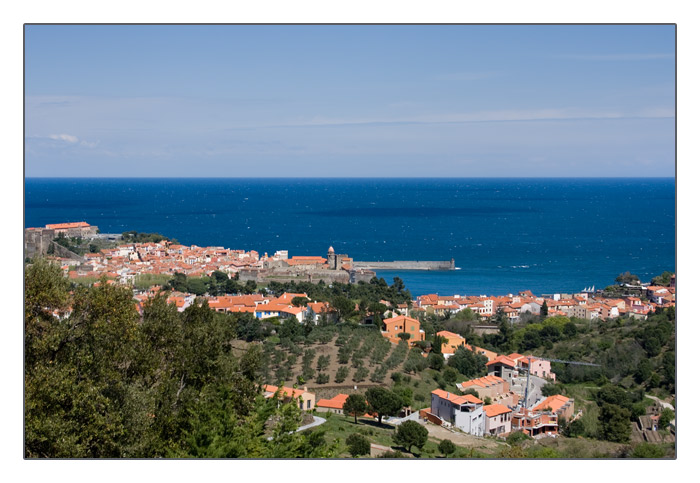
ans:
x=508 y=399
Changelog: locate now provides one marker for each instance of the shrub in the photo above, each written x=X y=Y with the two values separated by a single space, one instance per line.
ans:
x=357 y=445
x=447 y=447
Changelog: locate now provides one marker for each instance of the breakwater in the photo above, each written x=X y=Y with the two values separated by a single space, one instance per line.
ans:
x=407 y=265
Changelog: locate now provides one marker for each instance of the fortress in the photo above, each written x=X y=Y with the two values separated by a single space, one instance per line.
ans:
x=335 y=267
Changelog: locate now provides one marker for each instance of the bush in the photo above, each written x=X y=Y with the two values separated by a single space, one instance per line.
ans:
x=516 y=438
x=357 y=445
x=322 y=378
x=391 y=454
x=342 y=374
x=648 y=450
x=447 y=447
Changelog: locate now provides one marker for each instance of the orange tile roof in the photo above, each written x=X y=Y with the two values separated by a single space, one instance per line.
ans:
x=495 y=409
x=333 y=403
x=448 y=396
x=555 y=403
x=60 y=226
x=285 y=391
x=503 y=360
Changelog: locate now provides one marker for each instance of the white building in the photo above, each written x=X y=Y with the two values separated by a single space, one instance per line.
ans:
x=463 y=412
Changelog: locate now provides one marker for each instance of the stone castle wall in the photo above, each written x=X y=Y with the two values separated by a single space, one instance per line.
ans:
x=407 y=265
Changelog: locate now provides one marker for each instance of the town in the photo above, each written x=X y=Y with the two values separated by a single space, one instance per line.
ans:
x=514 y=396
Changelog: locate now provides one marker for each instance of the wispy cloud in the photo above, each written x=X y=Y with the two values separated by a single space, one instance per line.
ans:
x=64 y=137
x=504 y=115
x=615 y=57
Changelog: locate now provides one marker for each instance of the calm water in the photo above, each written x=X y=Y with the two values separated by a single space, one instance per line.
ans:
x=546 y=235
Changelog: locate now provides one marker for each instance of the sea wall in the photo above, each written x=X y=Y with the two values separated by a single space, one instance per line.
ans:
x=407 y=265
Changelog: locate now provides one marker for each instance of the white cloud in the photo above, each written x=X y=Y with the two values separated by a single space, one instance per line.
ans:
x=64 y=137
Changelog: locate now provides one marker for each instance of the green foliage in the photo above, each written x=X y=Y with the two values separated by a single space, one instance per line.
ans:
x=614 y=423
x=355 y=405
x=627 y=278
x=664 y=279
x=468 y=363
x=447 y=447
x=136 y=237
x=665 y=418
x=409 y=434
x=357 y=445
x=322 y=378
x=516 y=438
x=391 y=454
x=648 y=450
x=436 y=361
x=104 y=382
x=341 y=374
x=383 y=402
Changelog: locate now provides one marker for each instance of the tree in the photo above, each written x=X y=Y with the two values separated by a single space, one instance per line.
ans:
x=355 y=405
x=409 y=434
x=358 y=445
x=614 y=423
x=447 y=447
x=436 y=361
x=300 y=301
x=404 y=336
x=343 y=305
x=627 y=278
x=467 y=362
x=665 y=418
x=544 y=310
x=383 y=402
x=664 y=279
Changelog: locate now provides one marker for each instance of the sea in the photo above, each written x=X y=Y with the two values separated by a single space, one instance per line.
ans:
x=551 y=235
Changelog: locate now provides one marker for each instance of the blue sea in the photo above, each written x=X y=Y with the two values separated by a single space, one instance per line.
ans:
x=506 y=235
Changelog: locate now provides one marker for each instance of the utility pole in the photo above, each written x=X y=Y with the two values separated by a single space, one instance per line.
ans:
x=529 y=363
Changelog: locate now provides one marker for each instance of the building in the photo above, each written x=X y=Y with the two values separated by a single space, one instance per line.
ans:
x=402 y=324
x=306 y=399
x=463 y=412
x=535 y=423
x=497 y=420
x=333 y=405
x=503 y=367
x=558 y=404
x=489 y=386
x=452 y=342
x=74 y=229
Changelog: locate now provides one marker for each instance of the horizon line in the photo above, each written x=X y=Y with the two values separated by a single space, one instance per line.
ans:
x=350 y=177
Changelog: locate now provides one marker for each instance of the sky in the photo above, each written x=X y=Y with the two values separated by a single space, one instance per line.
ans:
x=349 y=100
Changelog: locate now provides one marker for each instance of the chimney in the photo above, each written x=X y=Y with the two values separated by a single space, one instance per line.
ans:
x=306 y=389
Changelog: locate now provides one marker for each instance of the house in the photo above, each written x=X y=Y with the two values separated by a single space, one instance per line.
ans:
x=503 y=367
x=463 y=412
x=489 y=386
x=317 y=310
x=306 y=399
x=333 y=405
x=402 y=324
x=558 y=404
x=535 y=423
x=453 y=341
x=490 y=355
x=536 y=366
x=497 y=420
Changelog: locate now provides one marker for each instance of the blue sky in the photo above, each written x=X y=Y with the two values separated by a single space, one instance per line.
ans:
x=340 y=100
